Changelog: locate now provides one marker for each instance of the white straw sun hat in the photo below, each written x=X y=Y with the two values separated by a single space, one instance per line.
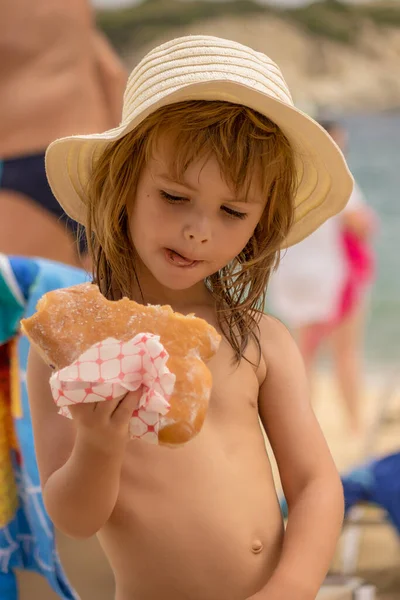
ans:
x=209 y=68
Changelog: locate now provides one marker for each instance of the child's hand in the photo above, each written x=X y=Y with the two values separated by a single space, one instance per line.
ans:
x=105 y=424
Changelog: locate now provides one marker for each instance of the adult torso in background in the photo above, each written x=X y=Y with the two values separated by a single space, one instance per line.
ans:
x=50 y=74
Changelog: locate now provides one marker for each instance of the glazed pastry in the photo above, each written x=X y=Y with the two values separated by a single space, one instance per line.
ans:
x=69 y=321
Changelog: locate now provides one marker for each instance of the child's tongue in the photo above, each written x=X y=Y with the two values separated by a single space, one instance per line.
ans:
x=178 y=259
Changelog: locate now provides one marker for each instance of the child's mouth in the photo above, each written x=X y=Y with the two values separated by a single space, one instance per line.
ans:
x=178 y=260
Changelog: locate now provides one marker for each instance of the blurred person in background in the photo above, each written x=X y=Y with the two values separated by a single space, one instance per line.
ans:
x=320 y=291
x=58 y=76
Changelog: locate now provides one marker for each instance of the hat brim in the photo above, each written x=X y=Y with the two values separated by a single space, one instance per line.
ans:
x=324 y=180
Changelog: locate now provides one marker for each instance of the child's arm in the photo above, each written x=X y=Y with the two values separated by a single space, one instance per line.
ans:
x=79 y=461
x=310 y=481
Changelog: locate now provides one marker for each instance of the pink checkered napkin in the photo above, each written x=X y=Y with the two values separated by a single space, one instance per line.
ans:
x=109 y=369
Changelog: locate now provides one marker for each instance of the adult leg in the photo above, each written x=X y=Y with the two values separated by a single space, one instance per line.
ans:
x=309 y=338
x=347 y=354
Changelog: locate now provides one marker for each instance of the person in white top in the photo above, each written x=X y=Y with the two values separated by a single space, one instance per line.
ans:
x=319 y=291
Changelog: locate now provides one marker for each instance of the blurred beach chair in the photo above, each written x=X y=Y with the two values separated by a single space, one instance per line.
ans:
x=375 y=483
x=27 y=537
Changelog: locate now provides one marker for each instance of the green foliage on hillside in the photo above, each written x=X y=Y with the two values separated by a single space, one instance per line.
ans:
x=141 y=23
x=340 y=22
x=327 y=18
x=330 y=19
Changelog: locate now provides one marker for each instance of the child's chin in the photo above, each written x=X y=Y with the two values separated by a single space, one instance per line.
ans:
x=181 y=286
x=179 y=283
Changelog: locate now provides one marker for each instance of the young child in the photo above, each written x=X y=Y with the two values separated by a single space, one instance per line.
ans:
x=211 y=172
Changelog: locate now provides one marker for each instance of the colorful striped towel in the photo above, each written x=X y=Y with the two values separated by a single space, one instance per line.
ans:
x=26 y=532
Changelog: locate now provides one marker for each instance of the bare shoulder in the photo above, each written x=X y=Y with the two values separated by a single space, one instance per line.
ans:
x=53 y=435
x=272 y=328
x=277 y=343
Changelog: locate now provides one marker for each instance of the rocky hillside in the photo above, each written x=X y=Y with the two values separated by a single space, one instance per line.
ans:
x=333 y=56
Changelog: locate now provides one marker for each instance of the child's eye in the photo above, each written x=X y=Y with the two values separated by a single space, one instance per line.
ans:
x=170 y=197
x=234 y=214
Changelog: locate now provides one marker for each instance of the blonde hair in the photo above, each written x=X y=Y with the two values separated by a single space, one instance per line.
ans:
x=247 y=145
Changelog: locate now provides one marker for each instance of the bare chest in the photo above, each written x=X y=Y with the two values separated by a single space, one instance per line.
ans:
x=208 y=506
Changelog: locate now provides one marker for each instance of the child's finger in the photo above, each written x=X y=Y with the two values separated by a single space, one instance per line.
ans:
x=82 y=409
x=126 y=406
x=94 y=409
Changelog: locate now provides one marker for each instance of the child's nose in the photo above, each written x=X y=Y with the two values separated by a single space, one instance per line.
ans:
x=197 y=232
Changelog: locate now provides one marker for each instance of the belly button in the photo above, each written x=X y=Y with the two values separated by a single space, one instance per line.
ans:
x=257 y=547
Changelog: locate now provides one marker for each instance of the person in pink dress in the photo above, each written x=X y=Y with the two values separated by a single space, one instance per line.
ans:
x=358 y=226
x=321 y=292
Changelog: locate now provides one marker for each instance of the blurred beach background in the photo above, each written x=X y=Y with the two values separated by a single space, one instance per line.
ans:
x=341 y=59
x=374 y=159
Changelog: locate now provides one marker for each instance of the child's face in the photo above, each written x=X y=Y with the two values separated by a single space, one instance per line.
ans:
x=185 y=231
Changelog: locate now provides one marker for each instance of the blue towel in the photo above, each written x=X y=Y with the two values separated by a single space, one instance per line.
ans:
x=28 y=541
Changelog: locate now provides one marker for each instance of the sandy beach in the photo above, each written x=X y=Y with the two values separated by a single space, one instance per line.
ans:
x=379 y=558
